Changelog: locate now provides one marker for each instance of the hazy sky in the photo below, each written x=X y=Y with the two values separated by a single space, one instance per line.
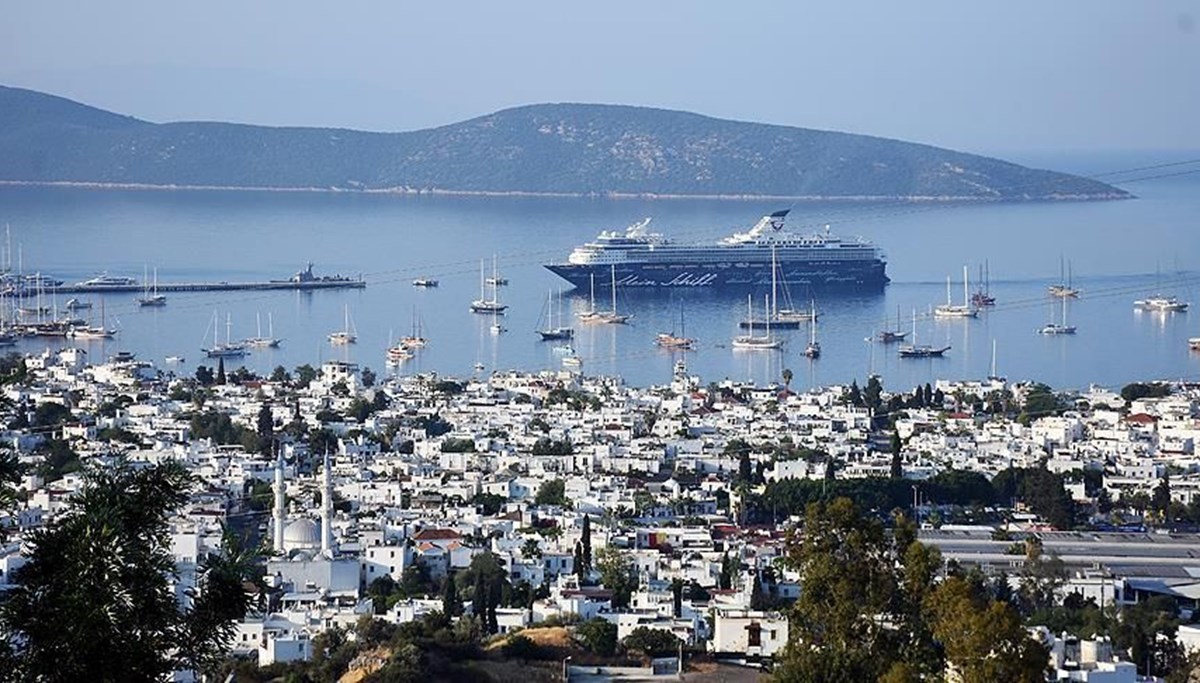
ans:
x=1017 y=75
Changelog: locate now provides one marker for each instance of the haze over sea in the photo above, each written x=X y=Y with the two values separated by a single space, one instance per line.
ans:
x=1119 y=251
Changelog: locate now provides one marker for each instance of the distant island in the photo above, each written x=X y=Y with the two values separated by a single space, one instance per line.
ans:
x=543 y=149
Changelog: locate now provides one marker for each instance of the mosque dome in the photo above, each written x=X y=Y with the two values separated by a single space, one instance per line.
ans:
x=301 y=534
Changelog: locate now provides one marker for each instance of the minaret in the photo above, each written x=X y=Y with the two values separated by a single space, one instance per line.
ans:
x=327 y=511
x=277 y=516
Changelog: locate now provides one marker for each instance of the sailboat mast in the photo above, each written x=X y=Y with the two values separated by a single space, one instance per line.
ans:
x=966 y=296
x=774 y=270
x=613 y=268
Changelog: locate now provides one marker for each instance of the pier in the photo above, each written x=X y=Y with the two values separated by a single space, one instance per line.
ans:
x=332 y=283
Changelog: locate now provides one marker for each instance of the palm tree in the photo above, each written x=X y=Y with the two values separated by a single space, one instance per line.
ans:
x=787 y=379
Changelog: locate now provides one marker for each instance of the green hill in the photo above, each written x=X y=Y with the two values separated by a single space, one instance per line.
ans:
x=575 y=149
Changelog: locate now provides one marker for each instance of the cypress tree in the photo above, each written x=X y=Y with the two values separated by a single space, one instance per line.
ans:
x=221 y=370
x=897 y=446
x=451 y=605
x=585 y=538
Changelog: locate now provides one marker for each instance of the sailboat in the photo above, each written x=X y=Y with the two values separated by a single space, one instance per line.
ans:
x=551 y=331
x=495 y=279
x=345 y=335
x=1058 y=328
x=1063 y=289
x=993 y=376
x=752 y=341
x=893 y=336
x=668 y=340
x=484 y=304
x=952 y=310
x=781 y=318
x=229 y=349
x=87 y=332
x=813 y=350
x=983 y=296
x=610 y=316
x=416 y=339
x=259 y=341
x=915 y=350
x=150 y=296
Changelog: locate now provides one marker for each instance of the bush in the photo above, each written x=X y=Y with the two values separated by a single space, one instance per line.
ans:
x=521 y=647
x=651 y=642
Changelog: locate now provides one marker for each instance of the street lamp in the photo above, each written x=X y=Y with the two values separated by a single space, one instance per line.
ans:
x=566 y=670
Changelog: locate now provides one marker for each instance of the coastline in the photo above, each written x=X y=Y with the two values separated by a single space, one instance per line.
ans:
x=440 y=192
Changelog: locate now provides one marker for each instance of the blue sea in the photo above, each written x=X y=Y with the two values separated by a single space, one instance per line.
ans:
x=1118 y=251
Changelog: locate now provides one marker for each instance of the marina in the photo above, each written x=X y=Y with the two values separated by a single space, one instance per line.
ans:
x=392 y=244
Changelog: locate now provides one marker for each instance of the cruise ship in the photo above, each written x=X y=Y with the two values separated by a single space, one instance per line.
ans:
x=647 y=260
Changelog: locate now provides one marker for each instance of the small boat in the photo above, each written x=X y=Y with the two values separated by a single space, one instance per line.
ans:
x=497 y=281
x=77 y=305
x=150 y=295
x=892 y=336
x=754 y=342
x=1194 y=343
x=425 y=282
x=479 y=367
x=572 y=361
x=8 y=338
x=398 y=354
x=174 y=359
x=1161 y=304
x=484 y=304
x=346 y=335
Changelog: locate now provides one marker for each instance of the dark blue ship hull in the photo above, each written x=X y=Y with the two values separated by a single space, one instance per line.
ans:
x=856 y=276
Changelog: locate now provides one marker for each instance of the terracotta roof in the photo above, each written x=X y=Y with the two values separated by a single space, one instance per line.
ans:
x=436 y=535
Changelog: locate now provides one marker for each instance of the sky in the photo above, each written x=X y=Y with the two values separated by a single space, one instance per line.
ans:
x=988 y=77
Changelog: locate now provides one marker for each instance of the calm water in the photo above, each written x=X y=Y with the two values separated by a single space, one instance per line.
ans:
x=1119 y=251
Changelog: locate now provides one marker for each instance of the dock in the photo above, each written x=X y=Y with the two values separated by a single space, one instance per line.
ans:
x=80 y=288
x=303 y=280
